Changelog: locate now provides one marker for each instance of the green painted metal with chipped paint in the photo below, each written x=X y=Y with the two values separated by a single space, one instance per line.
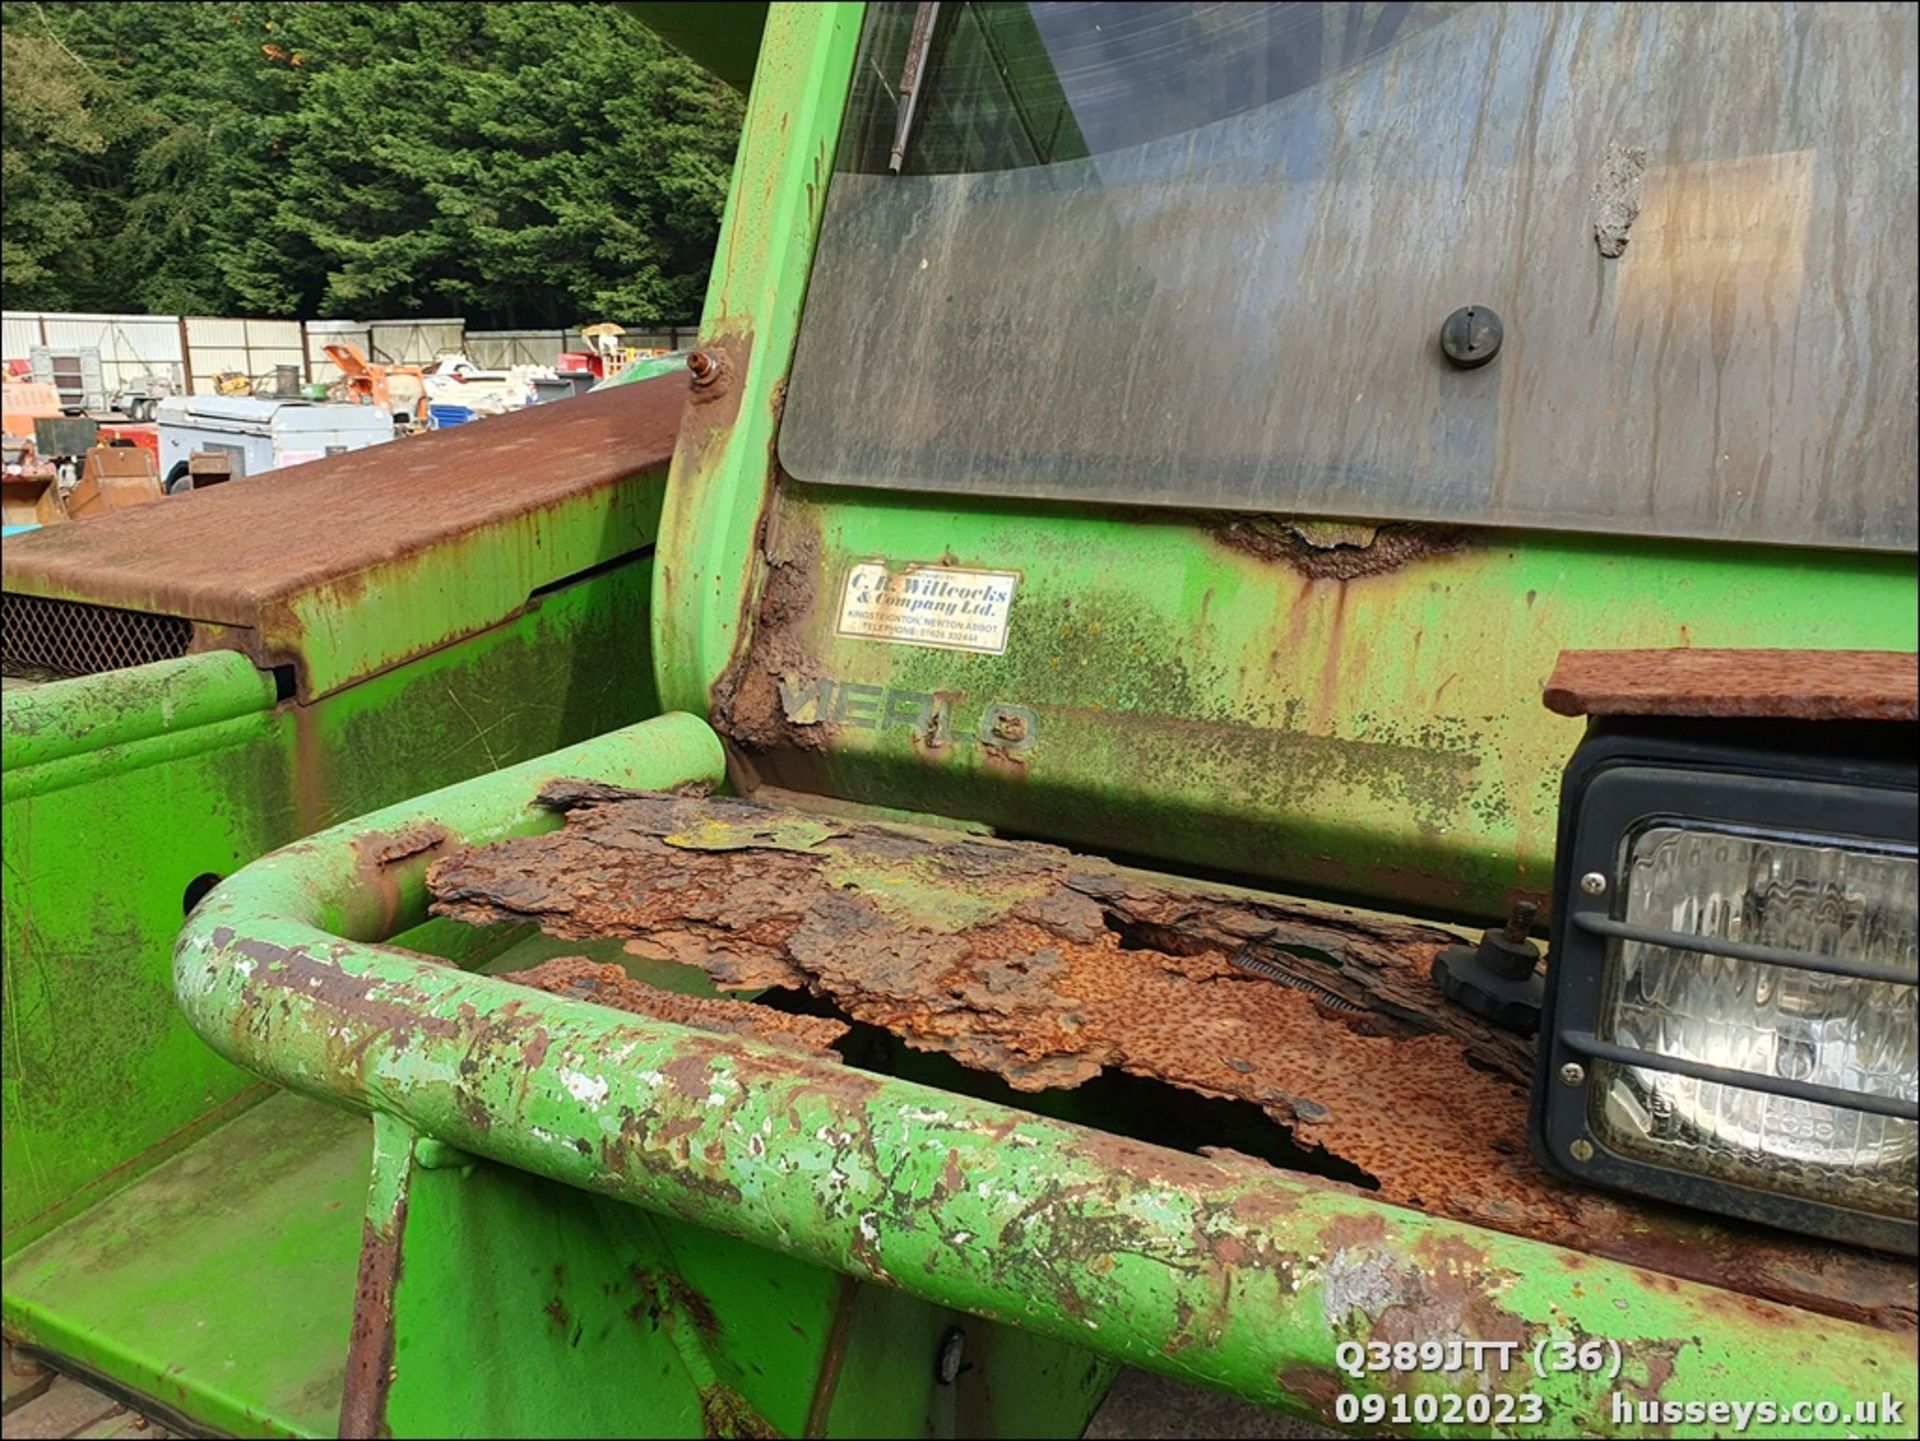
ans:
x=1235 y=1276
x=1197 y=703
x=1372 y=766
x=1378 y=737
x=1201 y=702
x=619 y=1322
x=721 y=477
x=121 y=792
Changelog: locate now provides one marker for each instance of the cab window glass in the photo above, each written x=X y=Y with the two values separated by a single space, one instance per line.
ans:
x=1201 y=256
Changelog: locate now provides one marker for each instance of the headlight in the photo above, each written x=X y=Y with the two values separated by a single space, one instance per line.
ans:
x=1846 y=1034
x=1730 y=1019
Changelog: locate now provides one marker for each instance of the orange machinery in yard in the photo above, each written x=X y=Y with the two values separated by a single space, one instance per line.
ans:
x=369 y=383
x=118 y=465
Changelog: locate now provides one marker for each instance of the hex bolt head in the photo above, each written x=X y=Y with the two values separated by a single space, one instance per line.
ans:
x=1594 y=883
x=1581 y=1150
x=1573 y=1073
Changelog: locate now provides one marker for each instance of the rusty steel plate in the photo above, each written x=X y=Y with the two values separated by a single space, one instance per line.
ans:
x=229 y=554
x=1756 y=684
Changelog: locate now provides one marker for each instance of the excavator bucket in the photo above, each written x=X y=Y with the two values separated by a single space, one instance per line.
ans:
x=112 y=478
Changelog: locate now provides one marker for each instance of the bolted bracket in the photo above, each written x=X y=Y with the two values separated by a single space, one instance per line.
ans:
x=1498 y=979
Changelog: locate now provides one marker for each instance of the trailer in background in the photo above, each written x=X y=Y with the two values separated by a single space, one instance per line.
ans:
x=260 y=435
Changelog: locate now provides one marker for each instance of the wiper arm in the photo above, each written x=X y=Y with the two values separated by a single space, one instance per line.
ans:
x=910 y=77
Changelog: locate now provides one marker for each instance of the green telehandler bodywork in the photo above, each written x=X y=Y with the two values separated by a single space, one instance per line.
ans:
x=972 y=925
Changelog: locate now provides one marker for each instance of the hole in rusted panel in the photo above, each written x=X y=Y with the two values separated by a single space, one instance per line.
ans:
x=583 y=979
x=1138 y=935
x=1148 y=1110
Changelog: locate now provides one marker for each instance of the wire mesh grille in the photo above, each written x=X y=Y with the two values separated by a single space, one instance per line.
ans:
x=42 y=637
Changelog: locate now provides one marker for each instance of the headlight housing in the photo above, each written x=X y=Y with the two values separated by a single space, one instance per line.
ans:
x=1730 y=1019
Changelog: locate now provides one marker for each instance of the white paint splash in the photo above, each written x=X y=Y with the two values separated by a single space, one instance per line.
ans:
x=588 y=1090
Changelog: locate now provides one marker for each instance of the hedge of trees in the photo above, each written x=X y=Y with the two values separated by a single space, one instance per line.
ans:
x=521 y=164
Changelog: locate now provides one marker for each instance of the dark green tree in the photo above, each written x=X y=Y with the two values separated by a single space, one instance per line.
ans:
x=519 y=164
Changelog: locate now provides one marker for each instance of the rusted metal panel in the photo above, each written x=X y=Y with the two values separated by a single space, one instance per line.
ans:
x=1758 y=684
x=340 y=566
x=1046 y=968
x=232 y=557
x=370 y=1347
x=1233 y=1274
x=114 y=478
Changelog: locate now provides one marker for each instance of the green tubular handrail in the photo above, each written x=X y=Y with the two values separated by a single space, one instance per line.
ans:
x=1225 y=1273
x=66 y=732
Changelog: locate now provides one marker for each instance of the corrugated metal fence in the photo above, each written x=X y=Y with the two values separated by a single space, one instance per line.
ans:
x=322 y=333
x=130 y=346
x=195 y=350
x=212 y=347
x=501 y=349
x=414 y=342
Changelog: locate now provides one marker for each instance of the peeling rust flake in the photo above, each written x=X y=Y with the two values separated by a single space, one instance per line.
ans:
x=377 y=848
x=581 y=979
x=751 y=700
x=1046 y=968
x=1616 y=196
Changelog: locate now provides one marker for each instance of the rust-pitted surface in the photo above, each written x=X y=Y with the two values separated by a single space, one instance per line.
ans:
x=370 y=1347
x=313 y=546
x=1759 y=684
x=582 y=979
x=750 y=699
x=1326 y=550
x=1045 y=968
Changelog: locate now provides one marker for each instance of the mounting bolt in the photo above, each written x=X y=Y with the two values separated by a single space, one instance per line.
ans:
x=1581 y=1150
x=1520 y=921
x=1498 y=979
x=1573 y=1073
x=1594 y=883
x=1471 y=336
x=704 y=369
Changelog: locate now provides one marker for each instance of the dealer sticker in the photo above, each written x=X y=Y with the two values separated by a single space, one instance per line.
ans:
x=932 y=605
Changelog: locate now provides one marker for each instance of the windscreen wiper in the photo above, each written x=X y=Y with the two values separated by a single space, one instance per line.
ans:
x=910 y=77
